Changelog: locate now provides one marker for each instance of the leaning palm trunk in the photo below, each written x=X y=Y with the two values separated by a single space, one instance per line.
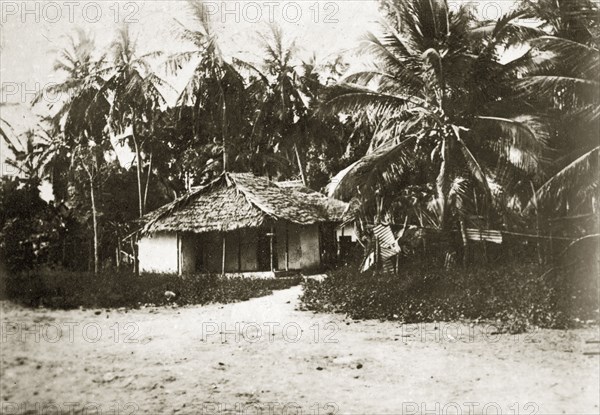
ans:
x=147 y=183
x=223 y=125
x=300 y=168
x=90 y=174
x=138 y=166
x=95 y=225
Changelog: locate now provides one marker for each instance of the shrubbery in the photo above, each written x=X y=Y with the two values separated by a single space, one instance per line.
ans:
x=65 y=289
x=516 y=296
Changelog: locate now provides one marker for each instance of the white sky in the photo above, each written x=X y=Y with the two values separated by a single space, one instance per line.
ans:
x=33 y=30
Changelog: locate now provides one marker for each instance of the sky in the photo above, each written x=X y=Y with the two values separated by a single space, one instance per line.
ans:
x=32 y=31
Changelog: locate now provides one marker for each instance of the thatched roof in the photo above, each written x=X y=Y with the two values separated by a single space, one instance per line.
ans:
x=242 y=200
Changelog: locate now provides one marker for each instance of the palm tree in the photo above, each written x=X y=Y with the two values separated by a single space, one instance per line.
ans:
x=575 y=20
x=135 y=97
x=283 y=111
x=435 y=92
x=560 y=74
x=80 y=120
x=32 y=153
x=216 y=89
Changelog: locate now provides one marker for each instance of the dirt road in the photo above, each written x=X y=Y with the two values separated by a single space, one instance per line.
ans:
x=264 y=356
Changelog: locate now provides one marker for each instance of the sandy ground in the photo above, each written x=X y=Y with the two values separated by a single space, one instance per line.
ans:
x=264 y=356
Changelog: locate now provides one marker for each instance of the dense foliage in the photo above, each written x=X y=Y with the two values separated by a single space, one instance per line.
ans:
x=513 y=296
x=30 y=228
x=63 y=289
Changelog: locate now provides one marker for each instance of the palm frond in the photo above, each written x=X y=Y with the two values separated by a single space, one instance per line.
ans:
x=252 y=68
x=353 y=98
x=523 y=140
x=582 y=173
x=474 y=166
x=370 y=169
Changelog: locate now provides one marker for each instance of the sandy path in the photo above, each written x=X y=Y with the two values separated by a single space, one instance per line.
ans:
x=173 y=360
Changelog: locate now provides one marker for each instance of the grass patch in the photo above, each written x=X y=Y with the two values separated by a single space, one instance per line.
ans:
x=515 y=296
x=64 y=289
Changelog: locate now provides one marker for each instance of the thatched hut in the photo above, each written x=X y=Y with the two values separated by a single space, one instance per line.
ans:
x=241 y=223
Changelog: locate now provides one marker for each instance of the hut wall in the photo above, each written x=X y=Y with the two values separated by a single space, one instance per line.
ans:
x=247 y=244
x=294 y=247
x=211 y=248
x=189 y=252
x=232 y=248
x=167 y=253
x=309 y=240
x=240 y=251
x=281 y=232
x=158 y=253
x=302 y=246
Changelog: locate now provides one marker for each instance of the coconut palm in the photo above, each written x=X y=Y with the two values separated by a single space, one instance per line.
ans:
x=435 y=92
x=560 y=74
x=135 y=95
x=32 y=154
x=215 y=89
x=280 y=122
x=81 y=118
x=575 y=20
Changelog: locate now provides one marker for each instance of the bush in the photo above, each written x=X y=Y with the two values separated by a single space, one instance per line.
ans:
x=517 y=296
x=66 y=289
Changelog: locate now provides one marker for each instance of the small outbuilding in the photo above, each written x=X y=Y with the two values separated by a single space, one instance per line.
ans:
x=241 y=223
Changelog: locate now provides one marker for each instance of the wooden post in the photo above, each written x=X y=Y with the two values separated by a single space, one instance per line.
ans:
x=271 y=236
x=223 y=254
x=465 y=241
x=136 y=269
x=537 y=225
x=287 y=247
x=377 y=261
x=179 y=260
x=239 y=251
x=118 y=253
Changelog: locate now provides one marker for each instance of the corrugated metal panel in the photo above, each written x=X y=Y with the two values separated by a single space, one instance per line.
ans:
x=487 y=235
x=388 y=266
x=388 y=246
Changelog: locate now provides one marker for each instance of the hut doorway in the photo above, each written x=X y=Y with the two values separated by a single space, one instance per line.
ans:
x=328 y=245
x=266 y=251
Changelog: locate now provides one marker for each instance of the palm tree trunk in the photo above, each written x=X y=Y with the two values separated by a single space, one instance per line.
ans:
x=147 y=182
x=223 y=126
x=90 y=173
x=300 y=169
x=95 y=225
x=138 y=162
